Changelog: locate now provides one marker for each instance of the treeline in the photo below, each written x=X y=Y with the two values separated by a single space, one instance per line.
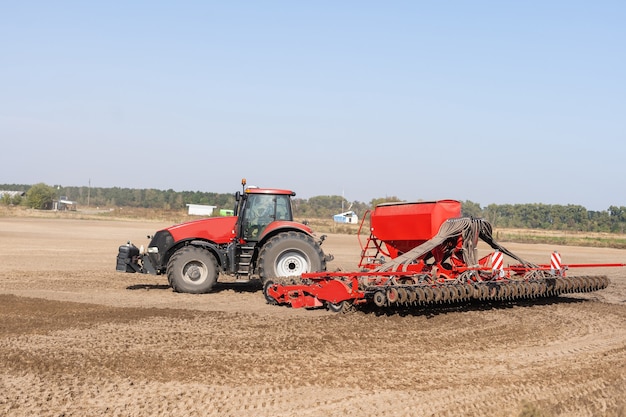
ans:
x=523 y=216
x=550 y=217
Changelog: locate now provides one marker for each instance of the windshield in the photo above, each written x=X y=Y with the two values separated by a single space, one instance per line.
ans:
x=261 y=210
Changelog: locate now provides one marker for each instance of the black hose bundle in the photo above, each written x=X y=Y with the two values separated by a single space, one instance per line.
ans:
x=471 y=229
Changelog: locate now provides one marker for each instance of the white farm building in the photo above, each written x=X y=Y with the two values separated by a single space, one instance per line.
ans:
x=200 y=209
x=346 y=217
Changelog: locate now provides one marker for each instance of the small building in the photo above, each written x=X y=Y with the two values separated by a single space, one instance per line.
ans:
x=64 y=204
x=346 y=217
x=200 y=209
x=12 y=194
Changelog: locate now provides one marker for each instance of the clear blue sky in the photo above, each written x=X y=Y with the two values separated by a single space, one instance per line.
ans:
x=489 y=101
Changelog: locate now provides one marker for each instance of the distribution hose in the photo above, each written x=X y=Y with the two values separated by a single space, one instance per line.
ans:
x=471 y=229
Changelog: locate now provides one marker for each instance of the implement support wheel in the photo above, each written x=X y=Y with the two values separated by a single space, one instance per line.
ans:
x=340 y=307
x=379 y=299
x=268 y=298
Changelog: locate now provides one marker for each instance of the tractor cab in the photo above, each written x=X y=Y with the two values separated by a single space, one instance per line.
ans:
x=256 y=208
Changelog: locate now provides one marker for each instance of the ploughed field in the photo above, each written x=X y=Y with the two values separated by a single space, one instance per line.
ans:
x=79 y=339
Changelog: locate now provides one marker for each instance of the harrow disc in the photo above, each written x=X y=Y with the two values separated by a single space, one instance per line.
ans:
x=420 y=296
x=503 y=291
x=476 y=291
x=484 y=292
x=455 y=292
x=403 y=297
x=543 y=289
x=593 y=283
x=429 y=295
x=601 y=282
x=412 y=296
x=463 y=292
x=392 y=295
x=446 y=295
x=534 y=288
x=437 y=294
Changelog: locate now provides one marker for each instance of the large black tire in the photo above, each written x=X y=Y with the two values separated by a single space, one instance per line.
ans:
x=192 y=270
x=290 y=254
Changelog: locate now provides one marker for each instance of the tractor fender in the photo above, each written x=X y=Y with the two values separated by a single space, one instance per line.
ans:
x=220 y=254
x=216 y=250
x=284 y=226
x=277 y=227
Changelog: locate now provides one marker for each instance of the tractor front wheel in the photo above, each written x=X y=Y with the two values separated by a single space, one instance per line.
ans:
x=290 y=254
x=192 y=270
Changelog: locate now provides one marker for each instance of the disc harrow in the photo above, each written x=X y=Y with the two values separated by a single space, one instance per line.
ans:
x=336 y=291
x=504 y=290
x=426 y=268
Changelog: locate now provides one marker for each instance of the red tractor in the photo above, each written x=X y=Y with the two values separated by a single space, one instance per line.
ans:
x=260 y=241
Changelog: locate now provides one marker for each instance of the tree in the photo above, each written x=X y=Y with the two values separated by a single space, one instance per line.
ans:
x=40 y=196
x=469 y=208
x=377 y=201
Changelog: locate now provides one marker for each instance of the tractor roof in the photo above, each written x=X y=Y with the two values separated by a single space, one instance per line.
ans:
x=254 y=190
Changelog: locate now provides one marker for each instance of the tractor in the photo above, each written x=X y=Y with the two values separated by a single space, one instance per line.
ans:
x=260 y=241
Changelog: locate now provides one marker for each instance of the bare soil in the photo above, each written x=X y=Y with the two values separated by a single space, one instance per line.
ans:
x=79 y=339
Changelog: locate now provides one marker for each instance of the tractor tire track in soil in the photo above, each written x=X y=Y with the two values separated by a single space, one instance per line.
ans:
x=78 y=339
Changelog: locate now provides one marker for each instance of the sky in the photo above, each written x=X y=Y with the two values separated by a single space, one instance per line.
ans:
x=495 y=102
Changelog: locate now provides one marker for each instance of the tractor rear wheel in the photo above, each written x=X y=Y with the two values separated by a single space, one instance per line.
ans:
x=192 y=270
x=290 y=254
